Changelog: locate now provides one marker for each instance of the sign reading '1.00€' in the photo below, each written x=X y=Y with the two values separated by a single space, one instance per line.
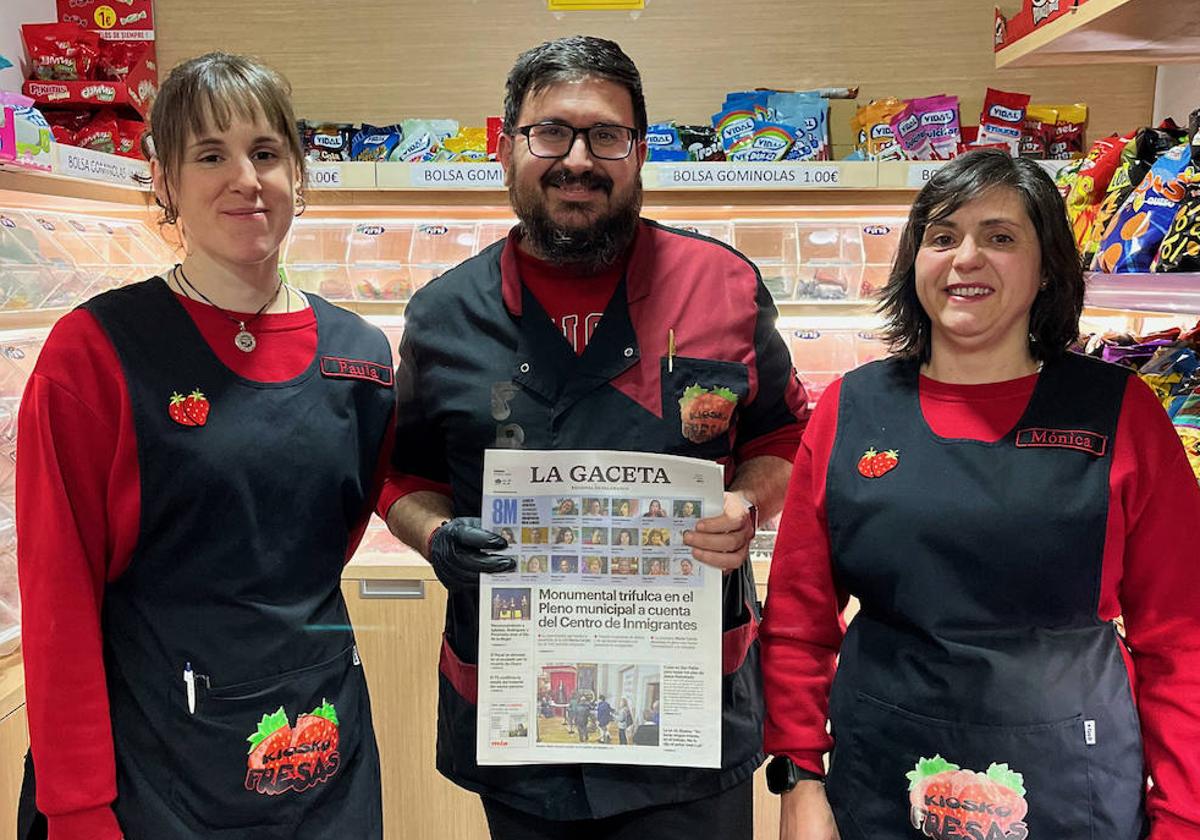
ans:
x=762 y=176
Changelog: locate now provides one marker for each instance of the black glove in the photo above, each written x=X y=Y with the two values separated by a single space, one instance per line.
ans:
x=457 y=553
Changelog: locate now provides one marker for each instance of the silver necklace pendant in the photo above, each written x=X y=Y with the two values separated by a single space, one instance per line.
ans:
x=244 y=341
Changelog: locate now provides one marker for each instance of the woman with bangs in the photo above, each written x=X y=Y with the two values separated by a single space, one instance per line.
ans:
x=190 y=667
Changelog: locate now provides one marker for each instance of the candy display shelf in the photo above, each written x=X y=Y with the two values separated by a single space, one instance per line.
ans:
x=1111 y=32
x=823 y=252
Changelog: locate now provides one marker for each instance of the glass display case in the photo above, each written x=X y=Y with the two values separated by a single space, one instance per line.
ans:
x=370 y=250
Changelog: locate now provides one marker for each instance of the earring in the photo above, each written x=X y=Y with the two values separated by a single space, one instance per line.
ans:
x=301 y=204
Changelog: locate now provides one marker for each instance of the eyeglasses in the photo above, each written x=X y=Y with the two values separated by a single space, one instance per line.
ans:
x=555 y=140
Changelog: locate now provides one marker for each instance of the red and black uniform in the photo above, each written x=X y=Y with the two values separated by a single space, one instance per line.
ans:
x=982 y=690
x=482 y=365
x=151 y=538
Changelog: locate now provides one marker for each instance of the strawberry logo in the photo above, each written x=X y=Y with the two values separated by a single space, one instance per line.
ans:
x=178 y=412
x=947 y=801
x=284 y=758
x=191 y=410
x=706 y=413
x=873 y=464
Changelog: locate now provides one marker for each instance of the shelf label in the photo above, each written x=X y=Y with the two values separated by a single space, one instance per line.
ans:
x=99 y=166
x=457 y=176
x=920 y=173
x=333 y=175
x=324 y=176
x=760 y=176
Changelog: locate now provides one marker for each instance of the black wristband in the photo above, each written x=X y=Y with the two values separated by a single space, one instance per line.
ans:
x=783 y=775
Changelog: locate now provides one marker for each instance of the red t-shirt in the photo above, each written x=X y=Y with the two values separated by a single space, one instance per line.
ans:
x=1147 y=576
x=575 y=302
x=78 y=515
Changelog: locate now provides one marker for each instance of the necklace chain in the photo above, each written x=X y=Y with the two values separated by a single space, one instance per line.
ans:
x=244 y=340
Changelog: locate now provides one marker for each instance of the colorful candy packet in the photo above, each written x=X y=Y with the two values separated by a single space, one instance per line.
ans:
x=735 y=127
x=1066 y=142
x=940 y=121
x=61 y=51
x=1002 y=118
x=468 y=146
x=326 y=141
x=911 y=135
x=769 y=142
x=375 y=142
x=1132 y=240
x=873 y=127
x=700 y=142
x=1037 y=131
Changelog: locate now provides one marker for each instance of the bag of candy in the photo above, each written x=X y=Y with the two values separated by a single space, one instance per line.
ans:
x=1067 y=141
x=940 y=122
x=374 y=142
x=326 y=141
x=912 y=137
x=1002 y=118
x=700 y=142
x=61 y=51
x=1037 y=132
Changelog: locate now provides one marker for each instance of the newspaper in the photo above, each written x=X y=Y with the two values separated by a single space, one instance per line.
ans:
x=604 y=646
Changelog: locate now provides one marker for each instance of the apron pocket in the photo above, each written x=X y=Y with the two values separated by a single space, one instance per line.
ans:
x=265 y=753
x=904 y=775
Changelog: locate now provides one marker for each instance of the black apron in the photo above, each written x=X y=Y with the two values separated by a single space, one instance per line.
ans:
x=978 y=695
x=245 y=524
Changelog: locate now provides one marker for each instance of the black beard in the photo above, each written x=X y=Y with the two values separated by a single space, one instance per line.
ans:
x=590 y=249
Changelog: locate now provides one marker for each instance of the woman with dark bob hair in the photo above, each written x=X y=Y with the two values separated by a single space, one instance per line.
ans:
x=994 y=502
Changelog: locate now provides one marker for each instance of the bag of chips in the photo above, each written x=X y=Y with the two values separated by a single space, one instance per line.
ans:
x=1132 y=240
x=1180 y=248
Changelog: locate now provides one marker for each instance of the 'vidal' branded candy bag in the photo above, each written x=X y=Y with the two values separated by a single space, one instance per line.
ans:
x=873 y=124
x=1132 y=240
x=326 y=141
x=1002 y=118
x=911 y=135
x=734 y=127
x=769 y=142
x=940 y=122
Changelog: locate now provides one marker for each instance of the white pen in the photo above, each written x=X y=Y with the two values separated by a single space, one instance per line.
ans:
x=189 y=680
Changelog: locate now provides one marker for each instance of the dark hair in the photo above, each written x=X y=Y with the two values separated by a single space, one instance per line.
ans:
x=569 y=60
x=1054 y=318
x=213 y=88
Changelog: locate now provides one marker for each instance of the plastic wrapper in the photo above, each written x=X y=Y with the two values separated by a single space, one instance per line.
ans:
x=1003 y=118
x=911 y=135
x=735 y=127
x=61 y=51
x=1180 y=248
x=1136 y=159
x=700 y=142
x=940 y=122
x=1132 y=240
x=1037 y=132
x=1095 y=173
x=101 y=133
x=375 y=142
x=468 y=146
x=328 y=141
x=422 y=139
x=1067 y=139
x=873 y=128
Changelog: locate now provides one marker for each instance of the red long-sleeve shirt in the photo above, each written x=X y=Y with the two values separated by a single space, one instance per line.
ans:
x=1148 y=577
x=78 y=513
